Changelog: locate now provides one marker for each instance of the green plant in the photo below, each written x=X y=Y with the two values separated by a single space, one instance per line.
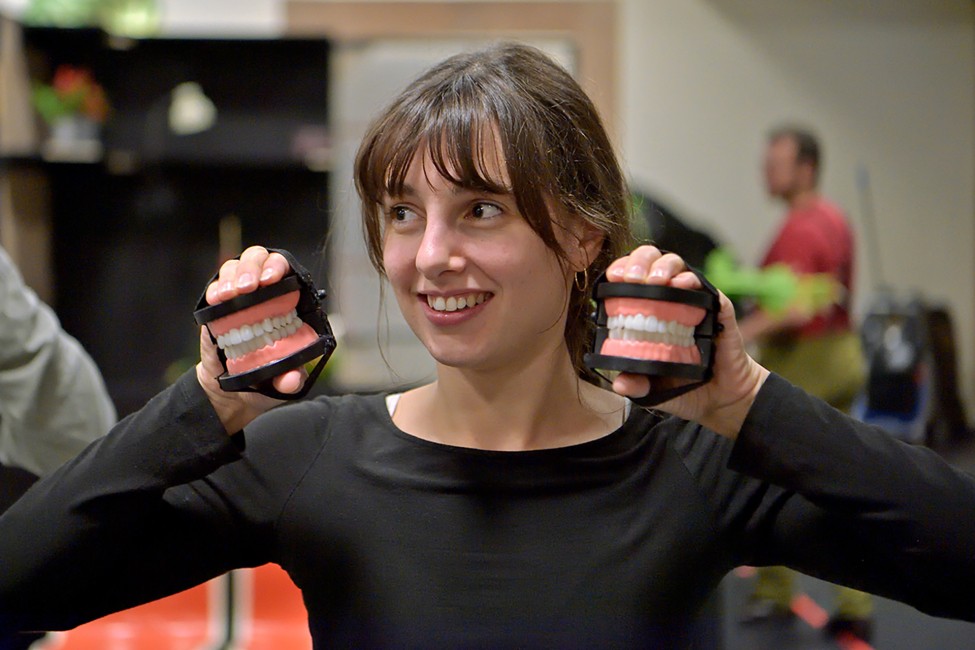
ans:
x=73 y=91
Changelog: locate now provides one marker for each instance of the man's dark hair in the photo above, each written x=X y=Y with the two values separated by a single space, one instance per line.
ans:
x=807 y=144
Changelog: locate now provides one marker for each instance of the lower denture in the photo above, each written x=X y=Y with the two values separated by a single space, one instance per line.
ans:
x=302 y=338
x=648 y=351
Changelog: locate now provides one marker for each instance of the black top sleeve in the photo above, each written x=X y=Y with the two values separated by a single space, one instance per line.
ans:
x=847 y=502
x=107 y=532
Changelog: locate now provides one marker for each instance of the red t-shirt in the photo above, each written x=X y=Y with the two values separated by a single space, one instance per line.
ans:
x=816 y=238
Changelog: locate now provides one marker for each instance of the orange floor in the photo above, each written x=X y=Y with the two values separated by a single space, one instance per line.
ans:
x=268 y=615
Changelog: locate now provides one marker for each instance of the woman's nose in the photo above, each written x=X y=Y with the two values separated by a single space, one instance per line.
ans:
x=440 y=249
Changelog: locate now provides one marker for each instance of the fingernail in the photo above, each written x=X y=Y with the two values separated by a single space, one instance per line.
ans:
x=616 y=272
x=245 y=280
x=657 y=273
x=267 y=273
x=226 y=286
x=634 y=273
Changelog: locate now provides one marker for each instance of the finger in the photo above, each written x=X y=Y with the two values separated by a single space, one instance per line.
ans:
x=686 y=280
x=275 y=267
x=726 y=316
x=617 y=269
x=665 y=268
x=639 y=263
x=222 y=289
x=630 y=385
x=250 y=268
x=290 y=382
x=208 y=355
x=212 y=291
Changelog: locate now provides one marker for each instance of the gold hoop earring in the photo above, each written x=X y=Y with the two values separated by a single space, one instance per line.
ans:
x=585 y=280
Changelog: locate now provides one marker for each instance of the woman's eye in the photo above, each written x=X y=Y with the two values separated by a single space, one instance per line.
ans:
x=401 y=214
x=485 y=210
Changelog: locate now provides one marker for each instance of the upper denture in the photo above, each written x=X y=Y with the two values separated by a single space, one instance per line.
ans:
x=278 y=306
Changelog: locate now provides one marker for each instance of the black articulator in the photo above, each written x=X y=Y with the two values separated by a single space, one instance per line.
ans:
x=704 y=336
x=310 y=311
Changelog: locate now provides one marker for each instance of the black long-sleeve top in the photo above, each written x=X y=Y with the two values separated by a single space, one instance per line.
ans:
x=400 y=542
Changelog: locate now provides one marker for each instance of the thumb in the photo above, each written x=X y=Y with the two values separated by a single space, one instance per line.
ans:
x=290 y=381
x=208 y=355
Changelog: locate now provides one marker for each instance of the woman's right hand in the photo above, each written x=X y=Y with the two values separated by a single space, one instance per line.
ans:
x=255 y=268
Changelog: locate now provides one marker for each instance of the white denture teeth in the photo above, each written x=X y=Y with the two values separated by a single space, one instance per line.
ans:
x=249 y=338
x=650 y=329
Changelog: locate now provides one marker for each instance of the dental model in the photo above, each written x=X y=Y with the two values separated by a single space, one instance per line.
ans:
x=655 y=331
x=263 y=334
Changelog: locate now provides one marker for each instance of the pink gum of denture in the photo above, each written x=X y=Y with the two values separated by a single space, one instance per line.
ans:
x=686 y=315
x=279 y=306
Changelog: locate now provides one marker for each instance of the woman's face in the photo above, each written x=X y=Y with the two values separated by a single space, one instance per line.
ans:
x=477 y=285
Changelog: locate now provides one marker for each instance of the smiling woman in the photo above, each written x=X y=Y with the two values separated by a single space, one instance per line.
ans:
x=504 y=122
x=514 y=501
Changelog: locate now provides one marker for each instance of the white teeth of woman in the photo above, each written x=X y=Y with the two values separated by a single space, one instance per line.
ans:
x=248 y=338
x=648 y=328
x=455 y=303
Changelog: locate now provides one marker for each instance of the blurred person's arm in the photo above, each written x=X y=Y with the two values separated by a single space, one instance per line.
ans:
x=817 y=288
x=53 y=401
x=760 y=324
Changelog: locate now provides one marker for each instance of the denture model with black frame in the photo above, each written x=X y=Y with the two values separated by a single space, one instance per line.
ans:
x=267 y=332
x=656 y=331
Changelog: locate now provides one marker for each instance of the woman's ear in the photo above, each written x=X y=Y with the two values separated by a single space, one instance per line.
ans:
x=589 y=242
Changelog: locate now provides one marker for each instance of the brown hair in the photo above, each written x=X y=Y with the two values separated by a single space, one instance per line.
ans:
x=555 y=150
x=807 y=145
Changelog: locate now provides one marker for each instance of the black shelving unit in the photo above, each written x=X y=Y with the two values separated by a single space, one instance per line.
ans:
x=135 y=231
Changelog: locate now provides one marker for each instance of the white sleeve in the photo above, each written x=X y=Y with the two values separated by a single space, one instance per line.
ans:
x=53 y=401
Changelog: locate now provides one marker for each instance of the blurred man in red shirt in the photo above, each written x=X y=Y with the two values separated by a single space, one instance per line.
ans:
x=816 y=350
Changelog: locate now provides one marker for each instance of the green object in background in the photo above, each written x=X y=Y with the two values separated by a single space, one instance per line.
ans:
x=131 y=18
x=62 y=13
x=639 y=227
x=775 y=288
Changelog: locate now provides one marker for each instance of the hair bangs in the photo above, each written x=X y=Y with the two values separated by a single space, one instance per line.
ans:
x=461 y=144
x=474 y=159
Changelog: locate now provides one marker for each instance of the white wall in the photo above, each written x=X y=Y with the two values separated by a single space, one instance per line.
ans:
x=888 y=84
x=239 y=17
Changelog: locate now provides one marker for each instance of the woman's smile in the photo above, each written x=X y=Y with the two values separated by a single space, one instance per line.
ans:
x=454 y=308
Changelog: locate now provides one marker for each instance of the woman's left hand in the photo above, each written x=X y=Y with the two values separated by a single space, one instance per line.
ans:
x=723 y=402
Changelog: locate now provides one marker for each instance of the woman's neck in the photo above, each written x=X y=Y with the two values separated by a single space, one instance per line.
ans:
x=539 y=404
